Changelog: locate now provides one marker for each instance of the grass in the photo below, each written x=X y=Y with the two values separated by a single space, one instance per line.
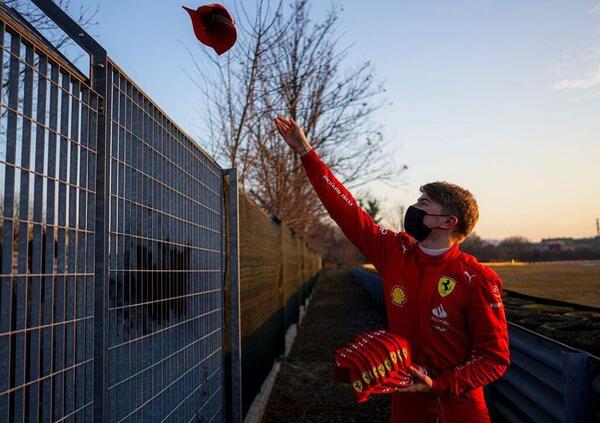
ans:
x=577 y=283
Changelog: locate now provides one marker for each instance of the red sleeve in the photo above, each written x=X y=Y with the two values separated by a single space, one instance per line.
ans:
x=489 y=342
x=374 y=241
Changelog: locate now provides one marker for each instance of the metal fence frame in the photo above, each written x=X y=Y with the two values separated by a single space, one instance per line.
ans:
x=98 y=366
x=546 y=382
x=47 y=284
x=234 y=365
x=102 y=70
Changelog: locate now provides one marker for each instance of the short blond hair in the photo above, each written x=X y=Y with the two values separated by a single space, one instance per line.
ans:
x=456 y=201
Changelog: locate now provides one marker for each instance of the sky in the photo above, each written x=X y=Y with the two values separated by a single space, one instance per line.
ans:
x=501 y=97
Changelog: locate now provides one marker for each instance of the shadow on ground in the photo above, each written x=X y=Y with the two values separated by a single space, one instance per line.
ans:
x=304 y=390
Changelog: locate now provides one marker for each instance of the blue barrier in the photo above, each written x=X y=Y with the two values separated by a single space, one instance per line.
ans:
x=547 y=381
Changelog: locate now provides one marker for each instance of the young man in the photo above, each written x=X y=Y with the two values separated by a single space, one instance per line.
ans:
x=447 y=305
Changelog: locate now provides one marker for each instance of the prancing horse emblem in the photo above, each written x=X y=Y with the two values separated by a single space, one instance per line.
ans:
x=357 y=386
x=446 y=286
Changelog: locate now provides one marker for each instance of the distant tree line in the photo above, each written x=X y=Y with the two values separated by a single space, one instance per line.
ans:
x=336 y=250
x=521 y=249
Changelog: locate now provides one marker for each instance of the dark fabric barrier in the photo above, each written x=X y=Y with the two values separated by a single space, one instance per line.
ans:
x=278 y=272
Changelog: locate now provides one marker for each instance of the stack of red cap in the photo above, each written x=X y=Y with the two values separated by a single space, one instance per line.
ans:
x=376 y=362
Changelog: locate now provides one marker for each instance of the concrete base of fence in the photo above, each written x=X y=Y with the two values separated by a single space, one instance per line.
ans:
x=303 y=309
x=259 y=405
x=290 y=336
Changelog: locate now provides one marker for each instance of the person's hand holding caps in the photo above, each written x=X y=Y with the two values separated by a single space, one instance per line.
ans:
x=293 y=135
x=424 y=385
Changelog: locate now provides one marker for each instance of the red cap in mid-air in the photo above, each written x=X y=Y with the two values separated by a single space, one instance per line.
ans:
x=214 y=26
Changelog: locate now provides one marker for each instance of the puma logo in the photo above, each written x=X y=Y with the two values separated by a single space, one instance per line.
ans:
x=468 y=275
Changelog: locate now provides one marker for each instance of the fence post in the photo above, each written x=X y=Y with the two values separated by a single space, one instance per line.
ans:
x=98 y=78
x=234 y=398
x=575 y=370
x=100 y=85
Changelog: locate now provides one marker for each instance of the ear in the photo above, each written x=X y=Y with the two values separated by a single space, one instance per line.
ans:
x=450 y=222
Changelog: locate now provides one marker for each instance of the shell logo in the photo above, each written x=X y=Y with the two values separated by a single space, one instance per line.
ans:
x=398 y=295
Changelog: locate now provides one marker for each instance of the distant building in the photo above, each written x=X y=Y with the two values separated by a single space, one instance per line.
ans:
x=569 y=244
x=557 y=244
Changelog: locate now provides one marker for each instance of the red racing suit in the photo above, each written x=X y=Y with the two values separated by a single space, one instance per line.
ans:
x=449 y=307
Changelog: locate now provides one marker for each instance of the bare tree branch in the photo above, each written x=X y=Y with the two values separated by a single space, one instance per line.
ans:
x=287 y=64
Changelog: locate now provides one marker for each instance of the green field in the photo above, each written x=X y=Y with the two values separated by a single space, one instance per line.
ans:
x=573 y=282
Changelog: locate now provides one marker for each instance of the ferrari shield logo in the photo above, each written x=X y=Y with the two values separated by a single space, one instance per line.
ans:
x=446 y=286
x=404 y=354
x=357 y=386
x=365 y=377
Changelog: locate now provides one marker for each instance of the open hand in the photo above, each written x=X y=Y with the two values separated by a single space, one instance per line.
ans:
x=292 y=134
x=424 y=384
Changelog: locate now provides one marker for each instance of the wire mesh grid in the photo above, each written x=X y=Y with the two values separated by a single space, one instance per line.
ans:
x=165 y=289
x=163 y=315
x=47 y=183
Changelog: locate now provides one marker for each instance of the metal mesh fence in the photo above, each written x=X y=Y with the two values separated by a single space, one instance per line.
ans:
x=165 y=311
x=47 y=179
x=112 y=250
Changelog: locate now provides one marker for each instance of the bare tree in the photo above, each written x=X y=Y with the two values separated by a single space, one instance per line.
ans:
x=228 y=87
x=371 y=205
x=394 y=217
x=329 y=242
x=40 y=21
x=284 y=63
x=85 y=17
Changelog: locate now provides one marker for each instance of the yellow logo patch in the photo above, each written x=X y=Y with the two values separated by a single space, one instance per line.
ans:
x=357 y=386
x=446 y=286
x=394 y=357
x=398 y=295
x=365 y=377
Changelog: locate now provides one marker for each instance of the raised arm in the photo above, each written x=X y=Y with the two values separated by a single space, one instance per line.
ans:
x=374 y=241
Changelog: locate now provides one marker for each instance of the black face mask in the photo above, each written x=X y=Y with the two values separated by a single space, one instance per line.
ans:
x=413 y=223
